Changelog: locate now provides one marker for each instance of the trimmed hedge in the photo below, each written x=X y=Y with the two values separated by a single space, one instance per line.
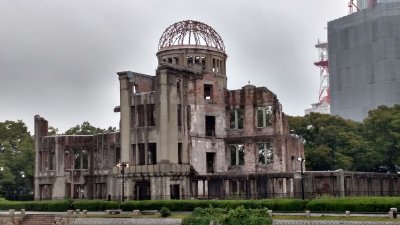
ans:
x=190 y=205
x=94 y=205
x=50 y=205
x=354 y=204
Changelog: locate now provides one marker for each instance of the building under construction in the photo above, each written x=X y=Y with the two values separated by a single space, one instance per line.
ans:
x=182 y=134
x=364 y=58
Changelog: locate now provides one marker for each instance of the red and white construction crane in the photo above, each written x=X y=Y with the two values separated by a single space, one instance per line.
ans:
x=323 y=64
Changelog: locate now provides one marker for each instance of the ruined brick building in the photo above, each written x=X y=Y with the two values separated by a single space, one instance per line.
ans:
x=183 y=133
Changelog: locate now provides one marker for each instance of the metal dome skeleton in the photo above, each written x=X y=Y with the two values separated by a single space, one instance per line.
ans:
x=190 y=32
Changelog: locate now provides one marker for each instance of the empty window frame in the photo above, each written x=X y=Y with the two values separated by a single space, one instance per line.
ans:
x=152 y=154
x=140 y=116
x=117 y=155
x=52 y=160
x=236 y=119
x=210 y=126
x=265 y=153
x=178 y=85
x=264 y=116
x=179 y=153
x=81 y=159
x=210 y=159
x=142 y=156
x=179 y=114
x=208 y=92
x=151 y=115
x=189 y=59
x=203 y=62
x=175 y=191
x=237 y=154
x=216 y=65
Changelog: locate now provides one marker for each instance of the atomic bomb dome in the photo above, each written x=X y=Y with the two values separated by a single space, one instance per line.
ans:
x=190 y=33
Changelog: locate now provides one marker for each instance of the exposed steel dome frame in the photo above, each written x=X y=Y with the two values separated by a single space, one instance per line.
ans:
x=190 y=33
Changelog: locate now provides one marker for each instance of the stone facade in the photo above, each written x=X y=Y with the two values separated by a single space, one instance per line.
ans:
x=178 y=130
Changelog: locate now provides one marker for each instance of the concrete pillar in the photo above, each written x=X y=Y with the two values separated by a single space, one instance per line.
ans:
x=167 y=146
x=125 y=123
x=41 y=129
x=340 y=183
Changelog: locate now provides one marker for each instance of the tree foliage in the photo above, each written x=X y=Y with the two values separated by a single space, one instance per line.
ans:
x=382 y=130
x=17 y=158
x=332 y=142
x=87 y=129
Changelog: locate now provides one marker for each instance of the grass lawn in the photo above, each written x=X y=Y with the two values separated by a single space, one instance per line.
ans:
x=275 y=217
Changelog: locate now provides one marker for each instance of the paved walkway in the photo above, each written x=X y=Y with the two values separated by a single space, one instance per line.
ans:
x=115 y=221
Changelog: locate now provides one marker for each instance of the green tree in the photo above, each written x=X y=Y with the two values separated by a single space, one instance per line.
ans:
x=382 y=130
x=85 y=129
x=331 y=142
x=17 y=158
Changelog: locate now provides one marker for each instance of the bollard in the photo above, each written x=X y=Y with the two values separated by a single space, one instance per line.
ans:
x=11 y=212
x=70 y=212
x=22 y=212
x=136 y=212
x=84 y=212
x=347 y=213
x=308 y=214
x=393 y=213
x=77 y=211
x=269 y=213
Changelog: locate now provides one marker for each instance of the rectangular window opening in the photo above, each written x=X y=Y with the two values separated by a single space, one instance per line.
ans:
x=203 y=62
x=197 y=60
x=210 y=126
x=236 y=119
x=142 y=156
x=208 y=90
x=140 y=117
x=152 y=154
x=179 y=114
x=117 y=155
x=265 y=153
x=176 y=59
x=51 y=160
x=179 y=153
x=151 y=115
x=237 y=155
x=210 y=158
x=175 y=193
x=189 y=60
x=264 y=116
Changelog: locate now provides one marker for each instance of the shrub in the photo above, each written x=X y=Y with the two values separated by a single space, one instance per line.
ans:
x=237 y=216
x=50 y=205
x=19 y=197
x=164 y=211
x=190 y=205
x=95 y=205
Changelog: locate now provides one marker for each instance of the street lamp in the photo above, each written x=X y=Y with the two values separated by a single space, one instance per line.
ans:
x=301 y=159
x=123 y=165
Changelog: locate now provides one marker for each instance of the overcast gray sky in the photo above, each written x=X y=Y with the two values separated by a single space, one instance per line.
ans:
x=59 y=58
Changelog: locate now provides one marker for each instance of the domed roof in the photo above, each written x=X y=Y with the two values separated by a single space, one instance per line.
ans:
x=190 y=33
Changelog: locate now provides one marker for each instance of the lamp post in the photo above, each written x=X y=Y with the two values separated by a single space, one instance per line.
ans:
x=123 y=165
x=301 y=159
